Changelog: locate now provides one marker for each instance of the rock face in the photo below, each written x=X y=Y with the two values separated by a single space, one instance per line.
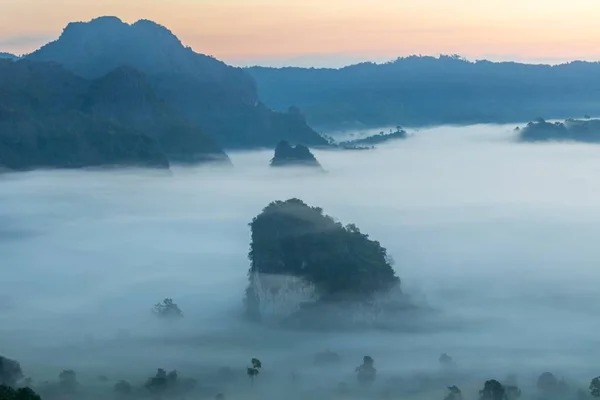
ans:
x=51 y=118
x=287 y=155
x=571 y=130
x=220 y=99
x=302 y=259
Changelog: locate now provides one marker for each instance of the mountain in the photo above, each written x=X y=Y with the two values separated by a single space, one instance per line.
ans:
x=8 y=56
x=587 y=131
x=124 y=95
x=287 y=155
x=302 y=259
x=426 y=90
x=49 y=117
x=220 y=99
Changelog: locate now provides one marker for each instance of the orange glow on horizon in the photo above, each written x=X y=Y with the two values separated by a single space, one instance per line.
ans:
x=238 y=30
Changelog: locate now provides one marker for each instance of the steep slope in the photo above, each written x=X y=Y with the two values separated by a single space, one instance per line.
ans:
x=125 y=96
x=220 y=99
x=427 y=90
x=287 y=155
x=42 y=124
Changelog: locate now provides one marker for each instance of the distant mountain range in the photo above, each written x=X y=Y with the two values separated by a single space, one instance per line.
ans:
x=416 y=91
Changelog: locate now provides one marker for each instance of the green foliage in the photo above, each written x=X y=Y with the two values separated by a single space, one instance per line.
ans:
x=291 y=238
x=8 y=393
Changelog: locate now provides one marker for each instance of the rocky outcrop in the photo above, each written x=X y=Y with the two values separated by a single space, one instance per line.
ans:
x=303 y=262
x=287 y=155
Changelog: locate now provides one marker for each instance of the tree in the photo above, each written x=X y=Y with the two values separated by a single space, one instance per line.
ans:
x=9 y=393
x=455 y=393
x=595 y=387
x=254 y=370
x=68 y=381
x=292 y=239
x=167 y=309
x=492 y=390
x=10 y=372
x=366 y=372
x=547 y=384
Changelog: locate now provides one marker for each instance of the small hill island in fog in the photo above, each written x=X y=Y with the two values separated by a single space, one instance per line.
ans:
x=308 y=266
x=576 y=130
x=287 y=155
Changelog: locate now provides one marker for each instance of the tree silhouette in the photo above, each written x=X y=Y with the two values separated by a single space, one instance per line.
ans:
x=254 y=370
x=595 y=387
x=168 y=309
x=10 y=372
x=8 y=393
x=68 y=381
x=492 y=390
x=547 y=384
x=366 y=372
x=455 y=393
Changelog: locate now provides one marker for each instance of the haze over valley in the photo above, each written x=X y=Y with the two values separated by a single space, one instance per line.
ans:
x=173 y=227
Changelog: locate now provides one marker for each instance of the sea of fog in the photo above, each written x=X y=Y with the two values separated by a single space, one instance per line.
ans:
x=500 y=238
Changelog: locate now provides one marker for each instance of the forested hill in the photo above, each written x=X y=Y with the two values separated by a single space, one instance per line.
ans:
x=220 y=99
x=427 y=90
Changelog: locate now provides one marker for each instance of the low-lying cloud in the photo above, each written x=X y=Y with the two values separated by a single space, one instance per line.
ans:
x=499 y=237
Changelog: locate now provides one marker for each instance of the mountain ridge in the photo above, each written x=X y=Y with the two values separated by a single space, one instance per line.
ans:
x=420 y=91
x=222 y=100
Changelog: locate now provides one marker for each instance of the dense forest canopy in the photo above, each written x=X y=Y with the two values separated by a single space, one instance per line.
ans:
x=587 y=131
x=427 y=91
x=290 y=238
x=50 y=117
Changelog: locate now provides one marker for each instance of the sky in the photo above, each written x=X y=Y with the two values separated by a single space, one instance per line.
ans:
x=333 y=32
